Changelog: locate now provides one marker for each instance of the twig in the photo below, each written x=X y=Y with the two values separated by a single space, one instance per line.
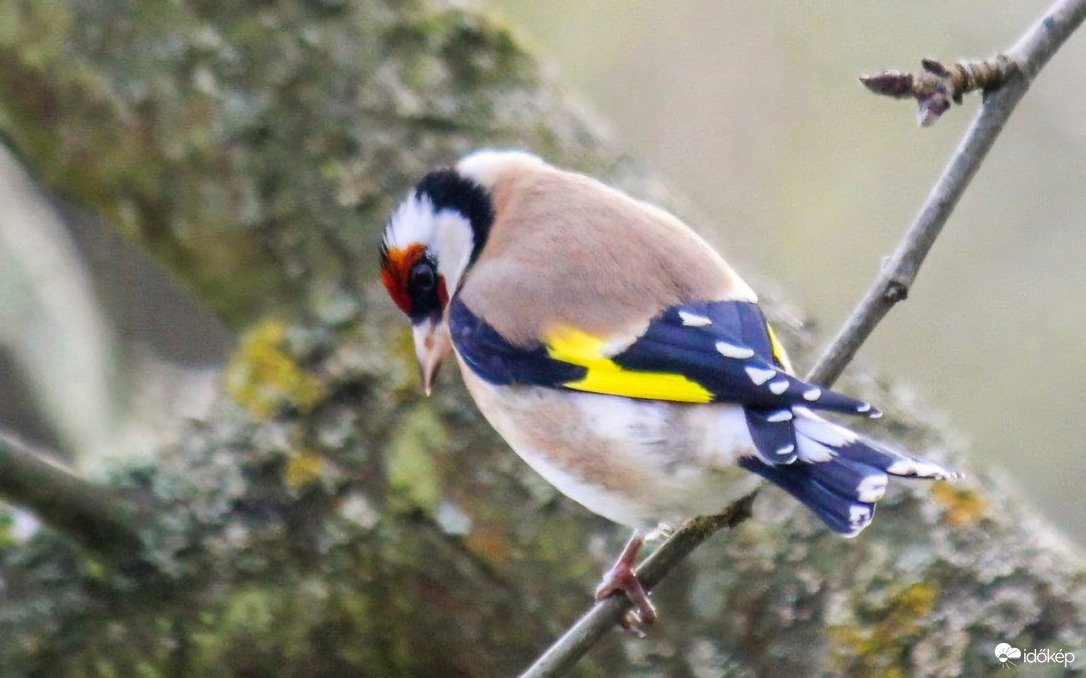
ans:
x=939 y=84
x=565 y=652
x=88 y=514
x=1028 y=55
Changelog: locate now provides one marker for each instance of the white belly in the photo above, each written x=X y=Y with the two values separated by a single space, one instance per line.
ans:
x=639 y=463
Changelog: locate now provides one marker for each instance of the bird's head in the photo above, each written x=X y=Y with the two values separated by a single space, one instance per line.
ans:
x=430 y=241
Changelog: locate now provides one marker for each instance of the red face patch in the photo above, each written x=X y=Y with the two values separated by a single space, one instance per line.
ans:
x=398 y=265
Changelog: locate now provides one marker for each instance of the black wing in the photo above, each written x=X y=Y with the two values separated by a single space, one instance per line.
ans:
x=712 y=352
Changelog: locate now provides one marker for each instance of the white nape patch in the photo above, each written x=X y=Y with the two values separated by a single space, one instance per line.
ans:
x=760 y=376
x=694 y=320
x=813 y=394
x=412 y=222
x=779 y=416
x=484 y=166
x=814 y=427
x=732 y=351
x=778 y=387
x=871 y=488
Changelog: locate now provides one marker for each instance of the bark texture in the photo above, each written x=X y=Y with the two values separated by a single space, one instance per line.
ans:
x=325 y=519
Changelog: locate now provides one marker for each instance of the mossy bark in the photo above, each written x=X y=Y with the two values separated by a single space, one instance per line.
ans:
x=326 y=520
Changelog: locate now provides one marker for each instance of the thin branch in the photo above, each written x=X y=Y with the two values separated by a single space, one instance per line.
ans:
x=567 y=650
x=88 y=514
x=1029 y=55
x=939 y=84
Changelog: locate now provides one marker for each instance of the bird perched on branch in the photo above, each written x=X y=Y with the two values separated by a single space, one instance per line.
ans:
x=618 y=354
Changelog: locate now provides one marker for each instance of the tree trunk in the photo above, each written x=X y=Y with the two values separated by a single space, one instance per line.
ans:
x=325 y=519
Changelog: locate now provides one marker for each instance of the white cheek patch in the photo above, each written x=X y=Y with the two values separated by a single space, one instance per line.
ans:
x=453 y=241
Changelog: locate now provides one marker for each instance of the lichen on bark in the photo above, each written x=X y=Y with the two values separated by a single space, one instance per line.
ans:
x=254 y=148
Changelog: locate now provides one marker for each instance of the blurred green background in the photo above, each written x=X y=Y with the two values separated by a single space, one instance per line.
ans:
x=753 y=115
x=752 y=112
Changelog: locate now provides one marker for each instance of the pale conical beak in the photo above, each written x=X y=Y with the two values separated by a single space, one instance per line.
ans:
x=432 y=344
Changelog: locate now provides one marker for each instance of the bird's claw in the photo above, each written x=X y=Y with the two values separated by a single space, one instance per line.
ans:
x=621 y=579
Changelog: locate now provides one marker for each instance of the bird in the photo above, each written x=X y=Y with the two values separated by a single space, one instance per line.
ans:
x=619 y=355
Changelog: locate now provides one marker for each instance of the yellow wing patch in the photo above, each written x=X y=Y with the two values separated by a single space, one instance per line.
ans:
x=778 y=349
x=575 y=347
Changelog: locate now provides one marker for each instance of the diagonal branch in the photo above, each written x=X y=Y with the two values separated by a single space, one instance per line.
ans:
x=1029 y=54
x=93 y=516
x=567 y=650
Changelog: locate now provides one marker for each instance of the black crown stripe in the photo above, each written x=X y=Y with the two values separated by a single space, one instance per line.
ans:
x=448 y=189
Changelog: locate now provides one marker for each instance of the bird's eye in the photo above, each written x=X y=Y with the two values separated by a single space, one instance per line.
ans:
x=423 y=277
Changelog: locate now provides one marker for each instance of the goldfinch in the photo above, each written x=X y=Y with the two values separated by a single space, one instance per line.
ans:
x=618 y=354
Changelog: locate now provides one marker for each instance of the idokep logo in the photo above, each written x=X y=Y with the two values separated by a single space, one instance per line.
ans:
x=1005 y=654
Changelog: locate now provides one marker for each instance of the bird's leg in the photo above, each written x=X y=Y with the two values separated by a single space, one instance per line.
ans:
x=621 y=578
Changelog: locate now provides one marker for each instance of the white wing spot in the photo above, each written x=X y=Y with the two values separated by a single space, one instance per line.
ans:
x=760 y=376
x=732 y=351
x=786 y=449
x=693 y=319
x=865 y=407
x=813 y=394
x=778 y=387
x=779 y=416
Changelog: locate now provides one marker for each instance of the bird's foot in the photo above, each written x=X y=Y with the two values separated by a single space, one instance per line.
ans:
x=621 y=578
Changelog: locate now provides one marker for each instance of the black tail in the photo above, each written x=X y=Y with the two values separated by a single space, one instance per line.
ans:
x=839 y=475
